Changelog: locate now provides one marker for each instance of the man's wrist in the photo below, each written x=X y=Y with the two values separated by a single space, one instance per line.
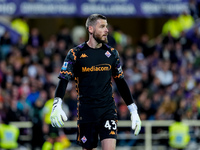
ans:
x=132 y=107
x=57 y=101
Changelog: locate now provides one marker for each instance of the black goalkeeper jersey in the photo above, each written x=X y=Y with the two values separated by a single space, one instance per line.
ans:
x=92 y=70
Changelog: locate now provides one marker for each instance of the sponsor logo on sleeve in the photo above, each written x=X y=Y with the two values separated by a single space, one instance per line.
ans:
x=64 y=67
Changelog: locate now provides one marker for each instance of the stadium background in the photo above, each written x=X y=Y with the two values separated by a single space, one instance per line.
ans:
x=29 y=67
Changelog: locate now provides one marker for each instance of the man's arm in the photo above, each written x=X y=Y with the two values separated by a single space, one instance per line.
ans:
x=66 y=74
x=126 y=95
x=124 y=90
x=61 y=87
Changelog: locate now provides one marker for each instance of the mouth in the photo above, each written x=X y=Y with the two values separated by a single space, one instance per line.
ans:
x=105 y=35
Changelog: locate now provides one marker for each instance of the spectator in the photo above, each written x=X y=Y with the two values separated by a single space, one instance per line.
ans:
x=172 y=27
x=164 y=74
x=21 y=26
x=143 y=43
x=60 y=49
x=178 y=133
x=194 y=36
x=119 y=36
x=5 y=45
x=186 y=20
x=34 y=94
x=36 y=117
x=35 y=38
x=64 y=35
x=50 y=46
x=111 y=40
x=184 y=41
x=9 y=134
x=166 y=109
x=193 y=9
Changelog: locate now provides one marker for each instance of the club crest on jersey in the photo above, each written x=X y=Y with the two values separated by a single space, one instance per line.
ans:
x=83 y=139
x=108 y=54
x=64 y=67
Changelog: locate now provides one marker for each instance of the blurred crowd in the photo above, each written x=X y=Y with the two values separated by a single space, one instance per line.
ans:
x=163 y=73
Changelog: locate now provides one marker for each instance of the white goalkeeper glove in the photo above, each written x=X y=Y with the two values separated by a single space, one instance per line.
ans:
x=136 y=122
x=57 y=114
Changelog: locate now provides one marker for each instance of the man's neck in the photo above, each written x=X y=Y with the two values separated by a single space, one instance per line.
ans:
x=93 y=44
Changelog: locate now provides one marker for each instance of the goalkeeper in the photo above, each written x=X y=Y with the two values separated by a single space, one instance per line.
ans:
x=92 y=64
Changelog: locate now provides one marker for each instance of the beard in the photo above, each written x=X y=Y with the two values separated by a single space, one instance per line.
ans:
x=99 y=39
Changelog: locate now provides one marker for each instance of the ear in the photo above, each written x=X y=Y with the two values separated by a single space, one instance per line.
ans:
x=90 y=29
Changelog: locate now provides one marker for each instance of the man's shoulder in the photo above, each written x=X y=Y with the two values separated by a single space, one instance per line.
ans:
x=74 y=51
x=112 y=49
x=79 y=47
x=106 y=46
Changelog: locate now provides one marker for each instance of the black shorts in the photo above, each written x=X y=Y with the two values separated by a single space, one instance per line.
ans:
x=88 y=133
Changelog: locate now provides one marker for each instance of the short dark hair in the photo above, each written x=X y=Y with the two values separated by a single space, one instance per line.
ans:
x=91 y=20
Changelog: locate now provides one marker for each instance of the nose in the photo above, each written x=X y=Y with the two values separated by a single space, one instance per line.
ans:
x=107 y=30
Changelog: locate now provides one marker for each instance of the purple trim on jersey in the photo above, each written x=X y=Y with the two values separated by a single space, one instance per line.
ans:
x=118 y=65
x=62 y=76
x=107 y=45
x=81 y=45
x=70 y=62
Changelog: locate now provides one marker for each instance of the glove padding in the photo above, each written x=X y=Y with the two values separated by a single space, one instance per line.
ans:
x=57 y=114
x=136 y=122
